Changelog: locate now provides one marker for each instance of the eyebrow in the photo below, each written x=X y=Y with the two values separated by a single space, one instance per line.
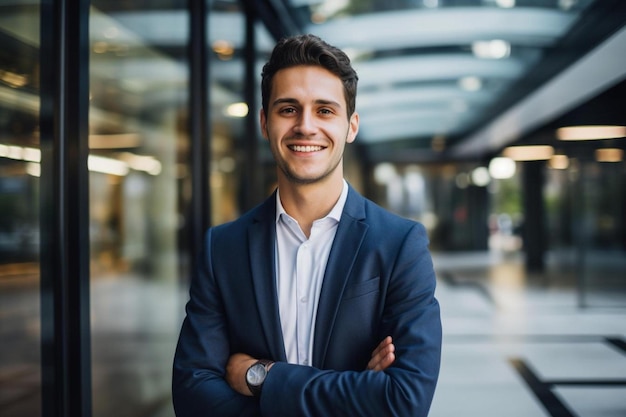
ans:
x=288 y=100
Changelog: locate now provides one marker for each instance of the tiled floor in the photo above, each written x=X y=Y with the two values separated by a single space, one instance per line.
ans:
x=517 y=347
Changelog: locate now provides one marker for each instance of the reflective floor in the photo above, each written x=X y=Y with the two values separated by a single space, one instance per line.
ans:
x=518 y=344
x=515 y=344
x=20 y=374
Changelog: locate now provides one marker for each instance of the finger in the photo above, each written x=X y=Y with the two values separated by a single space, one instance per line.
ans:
x=383 y=363
x=382 y=345
x=386 y=361
x=382 y=358
x=381 y=350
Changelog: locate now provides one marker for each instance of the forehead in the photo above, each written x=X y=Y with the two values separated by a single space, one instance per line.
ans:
x=307 y=83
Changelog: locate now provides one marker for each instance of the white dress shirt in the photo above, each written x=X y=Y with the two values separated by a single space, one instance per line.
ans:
x=300 y=267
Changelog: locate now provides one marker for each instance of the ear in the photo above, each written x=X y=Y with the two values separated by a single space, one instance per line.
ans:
x=263 y=121
x=353 y=128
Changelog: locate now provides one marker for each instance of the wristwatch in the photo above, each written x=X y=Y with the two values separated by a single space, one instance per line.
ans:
x=255 y=375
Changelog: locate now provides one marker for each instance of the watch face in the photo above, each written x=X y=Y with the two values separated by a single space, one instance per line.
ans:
x=256 y=374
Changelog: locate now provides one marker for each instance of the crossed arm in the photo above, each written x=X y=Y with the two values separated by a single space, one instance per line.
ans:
x=209 y=380
x=382 y=357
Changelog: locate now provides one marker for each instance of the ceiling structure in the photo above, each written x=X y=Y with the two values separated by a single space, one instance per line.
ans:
x=459 y=79
x=438 y=79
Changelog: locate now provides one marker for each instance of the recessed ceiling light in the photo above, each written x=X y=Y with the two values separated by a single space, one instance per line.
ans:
x=502 y=168
x=237 y=110
x=494 y=49
x=481 y=177
x=506 y=3
x=567 y=4
x=591 y=132
x=470 y=83
x=431 y=4
x=609 y=155
x=529 y=153
x=223 y=49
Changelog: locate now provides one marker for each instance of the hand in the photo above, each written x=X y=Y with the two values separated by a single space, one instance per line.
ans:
x=383 y=356
x=236 y=369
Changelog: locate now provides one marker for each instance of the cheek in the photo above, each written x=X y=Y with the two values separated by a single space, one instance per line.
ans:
x=276 y=129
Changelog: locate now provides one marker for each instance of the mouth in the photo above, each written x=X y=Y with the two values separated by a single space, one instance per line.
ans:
x=306 y=148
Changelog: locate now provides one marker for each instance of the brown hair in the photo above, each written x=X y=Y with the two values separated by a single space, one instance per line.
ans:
x=309 y=50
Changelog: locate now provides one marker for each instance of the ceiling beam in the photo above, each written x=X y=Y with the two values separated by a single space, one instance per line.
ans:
x=423 y=28
x=592 y=74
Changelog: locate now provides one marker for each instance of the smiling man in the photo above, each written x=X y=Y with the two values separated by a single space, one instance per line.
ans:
x=317 y=302
x=307 y=129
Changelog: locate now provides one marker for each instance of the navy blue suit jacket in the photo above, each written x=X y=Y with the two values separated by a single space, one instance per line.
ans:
x=379 y=282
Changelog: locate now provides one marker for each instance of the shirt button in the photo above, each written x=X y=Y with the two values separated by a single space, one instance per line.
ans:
x=304 y=299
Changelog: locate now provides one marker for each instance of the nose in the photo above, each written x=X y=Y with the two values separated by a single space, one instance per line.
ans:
x=305 y=124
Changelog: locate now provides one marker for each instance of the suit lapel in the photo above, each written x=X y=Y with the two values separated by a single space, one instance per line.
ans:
x=348 y=239
x=262 y=238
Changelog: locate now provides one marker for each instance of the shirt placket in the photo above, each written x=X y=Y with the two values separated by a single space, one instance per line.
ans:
x=303 y=278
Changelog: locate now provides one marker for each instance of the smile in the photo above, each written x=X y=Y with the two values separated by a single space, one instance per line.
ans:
x=308 y=148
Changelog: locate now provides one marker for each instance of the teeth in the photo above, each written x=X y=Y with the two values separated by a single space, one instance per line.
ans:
x=309 y=148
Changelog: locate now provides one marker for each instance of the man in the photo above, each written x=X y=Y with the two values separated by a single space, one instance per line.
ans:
x=317 y=302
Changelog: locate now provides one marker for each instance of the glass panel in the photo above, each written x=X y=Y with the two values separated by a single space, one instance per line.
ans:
x=601 y=244
x=138 y=156
x=585 y=206
x=226 y=95
x=229 y=149
x=20 y=374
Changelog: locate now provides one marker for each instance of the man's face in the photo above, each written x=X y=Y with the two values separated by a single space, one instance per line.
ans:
x=307 y=124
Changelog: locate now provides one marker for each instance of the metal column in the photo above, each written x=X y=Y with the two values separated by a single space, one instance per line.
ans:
x=199 y=127
x=65 y=332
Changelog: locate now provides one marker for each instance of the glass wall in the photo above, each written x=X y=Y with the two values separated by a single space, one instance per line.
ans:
x=139 y=188
x=140 y=185
x=20 y=364
x=451 y=200
x=237 y=183
x=602 y=242
x=586 y=202
x=228 y=109
x=470 y=207
x=138 y=164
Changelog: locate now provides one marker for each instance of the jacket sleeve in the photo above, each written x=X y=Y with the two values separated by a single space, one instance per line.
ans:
x=411 y=316
x=198 y=385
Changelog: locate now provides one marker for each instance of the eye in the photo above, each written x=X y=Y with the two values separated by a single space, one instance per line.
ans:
x=325 y=111
x=287 y=110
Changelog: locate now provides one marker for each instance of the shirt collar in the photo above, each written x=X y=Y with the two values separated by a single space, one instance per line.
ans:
x=335 y=212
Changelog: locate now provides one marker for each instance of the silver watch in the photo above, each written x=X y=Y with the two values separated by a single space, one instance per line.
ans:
x=255 y=375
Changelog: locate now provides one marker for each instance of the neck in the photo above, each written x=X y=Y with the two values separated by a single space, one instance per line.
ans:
x=309 y=202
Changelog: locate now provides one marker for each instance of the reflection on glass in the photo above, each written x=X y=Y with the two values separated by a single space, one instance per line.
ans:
x=599 y=233
x=230 y=144
x=138 y=149
x=20 y=373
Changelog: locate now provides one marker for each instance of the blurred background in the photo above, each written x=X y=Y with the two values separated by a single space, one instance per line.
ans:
x=498 y=124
